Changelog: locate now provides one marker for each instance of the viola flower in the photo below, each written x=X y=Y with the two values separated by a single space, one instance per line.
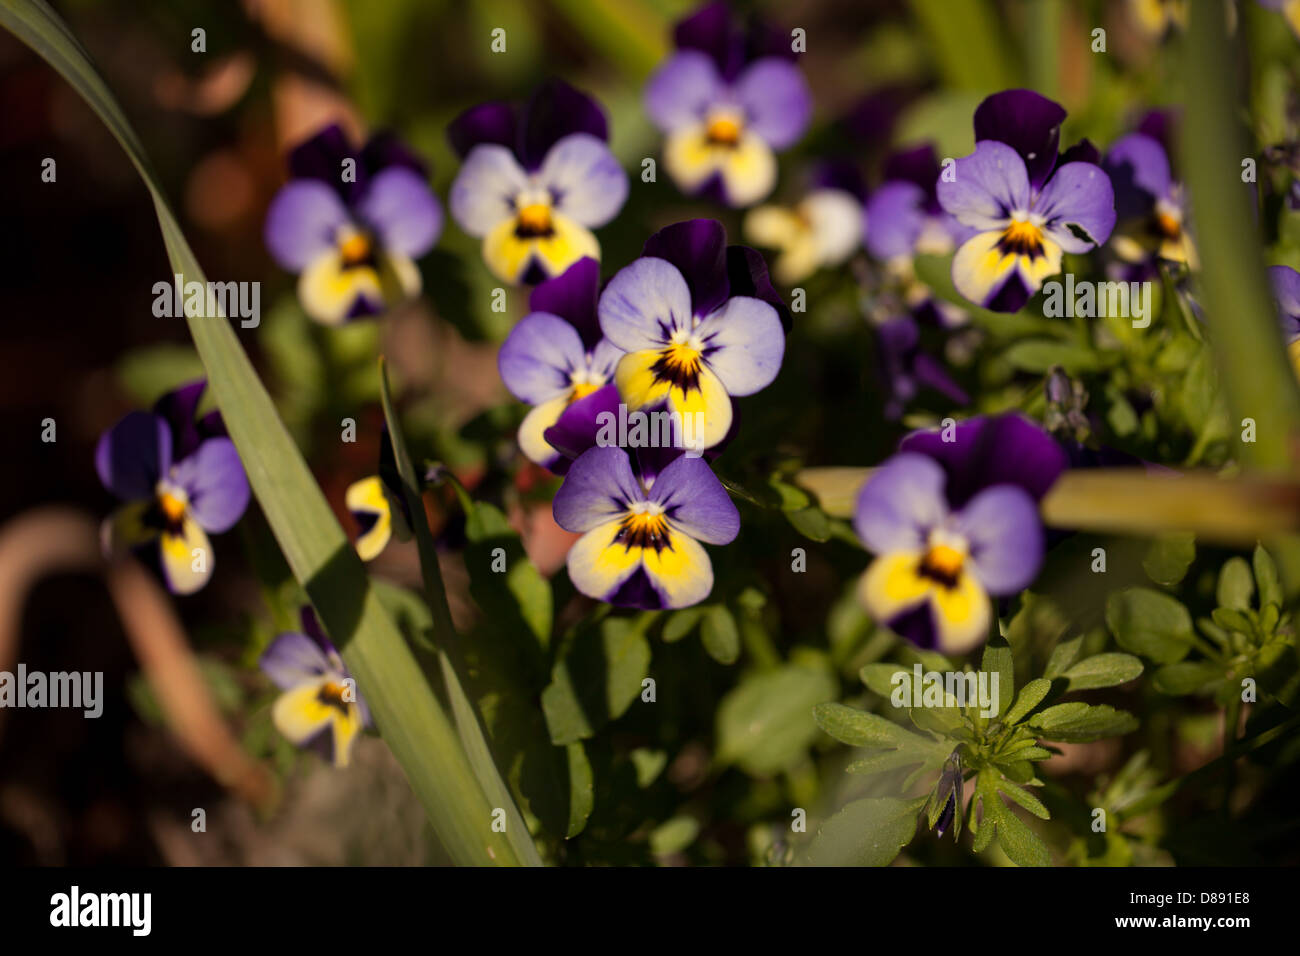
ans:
x=1150 y=205
x=535 y=181
x=904 y=218
x=820 y=231
x=935 y=566
x=640 y=544
x=555 y=357
x=700 y=322
x=1028 y=205
x=350 y=223
x=378 y=505
x=321 y=707
x=727 y=101
x=181 y=480
x=1286 y=290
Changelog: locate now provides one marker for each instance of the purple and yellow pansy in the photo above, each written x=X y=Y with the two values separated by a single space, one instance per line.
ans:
x=555 y=357
x=181 y=479
x=700 y=323
x=1027 y=205
x=727 y=101
x=378 y=505
x=535 y=181
x=821 y=230
x=641 y=539
x=1286 y=292
x=351 y=223
x=320 y=706
x=1150 y=205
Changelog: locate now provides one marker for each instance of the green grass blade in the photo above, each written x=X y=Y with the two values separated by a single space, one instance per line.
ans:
x=404 y=706
x=472 y=735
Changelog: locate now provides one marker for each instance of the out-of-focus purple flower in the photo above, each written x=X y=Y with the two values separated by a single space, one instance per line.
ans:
x=937 y=564
x=350 y=223
x=181 y=479
x=904 y=217
x=700 y=322
x=321 y=707
x=556 y=357
x=1149 y=203
x=536 y=179
x=819 y=231
x=906 y=368
x=1027 y=204
x=1286 y=291
x=640 y=544
x=727 y=100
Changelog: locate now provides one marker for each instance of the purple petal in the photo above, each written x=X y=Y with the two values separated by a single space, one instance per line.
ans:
x=900 y=503
x=1027 y=122
x=301 y=222
x=695 y=501
x=572 y=296
x=682 y=89
x=585 y=178
x=599 y=487
x=321 y=158
x=1081 y=152
x=698 y=248
x=213 y=478
x=557 y=110
x=643 y=304
x=987 y=186
x=710 y=30
x=1005 y=535
x=747 y=275
x=293 y=659
x=930 y=373
x=839 y=174
x=178 y=408
x=1139 y=171
x=743 y=344
x=496 y=123
x=776 y=99
x=483 y=192
x=1079 y=206
x=1286 y=289
x=385 y=151
x=918 y=165
x=133 y=454
x=986 y=451
x=579 y=425
x=894 y=219
x=403 y=211
x=538 y=357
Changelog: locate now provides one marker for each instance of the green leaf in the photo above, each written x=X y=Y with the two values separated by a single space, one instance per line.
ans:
x=1170 y=555
x=868 y=832
x=403 y=705
x=879 y=678
x=1236 y=585
x=673 y=836
x=1186 y=677
x=1266 y=578
x=680 y=623
x=765 y=725
x=1019 y=842
x=1042 y=355
x=597 y=679
x=1150 y=623
x=1030 y=696
x=997 y=659
x=857 y=728
x=720 y=635
x=811 y=522
x=519 y=594
x=1077 y=722
x=1103 y=670
x=1063 y=655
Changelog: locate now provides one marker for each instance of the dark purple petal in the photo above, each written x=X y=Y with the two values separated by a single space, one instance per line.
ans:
x=177 y=408
x=321 y=157
x=556 y=110
x=572 y=295
x=1162 y=126
x=711 y=31
x=839 y=174
x=698 y=248
x=385 y=151
x=695 y=501
x=579 y=425
x=1012 y=295
x=1005 y=534
x=1027 y=122
x=918 y=165
x=916 y=626
x=599 y=487
x=1286 y=290
x=213 y=478
x=747 y=275
x=930 y=373
x=900 y=503
x=1139 y=171
x=985 y=451
x=133 y=454
x=1081 y=152
x=495 y=122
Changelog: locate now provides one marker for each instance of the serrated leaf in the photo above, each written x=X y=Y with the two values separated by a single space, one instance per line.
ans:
x=1063 y=655
x=868 y=832
x=1236 y=584
x=858 y=728
x=1150 y=623
x=720 y=635
x=1103 y=670
x=1018 y=842
x=1030 y=696
x=997 y=659
x=1077 y=722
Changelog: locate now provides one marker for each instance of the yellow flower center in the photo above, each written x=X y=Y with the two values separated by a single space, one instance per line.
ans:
x=331 y=695
x=173 y=508
x=679 y=364
x=943 y=564
x=1022 y=238
x=533 y=220
x=1168 y=225
x=724 y=130
x=581 y=390
x=355 y=249
x=643 y=529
